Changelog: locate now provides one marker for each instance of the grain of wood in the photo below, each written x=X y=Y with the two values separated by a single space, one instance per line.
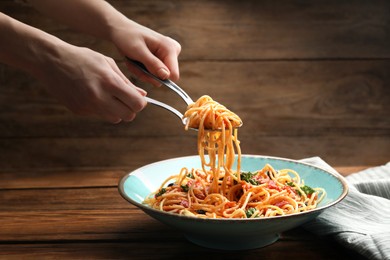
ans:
x=307 y=78
x=169 y=250
x=273 y=98
x=129 y=154
x=235 y=30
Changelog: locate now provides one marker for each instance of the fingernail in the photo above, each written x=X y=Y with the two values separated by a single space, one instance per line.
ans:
x=162 y=73
x=142 y=91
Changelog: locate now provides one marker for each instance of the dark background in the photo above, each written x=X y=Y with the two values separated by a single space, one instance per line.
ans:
x=308 y=78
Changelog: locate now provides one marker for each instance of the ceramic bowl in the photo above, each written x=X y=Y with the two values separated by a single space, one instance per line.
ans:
x=231 y=234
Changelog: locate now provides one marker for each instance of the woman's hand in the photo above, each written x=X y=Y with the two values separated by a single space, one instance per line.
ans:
x=157 y=52
x=89 y=83
x=85 y=81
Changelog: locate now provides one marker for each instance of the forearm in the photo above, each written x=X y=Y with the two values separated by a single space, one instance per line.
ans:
x=95 y=17
x=23 y=46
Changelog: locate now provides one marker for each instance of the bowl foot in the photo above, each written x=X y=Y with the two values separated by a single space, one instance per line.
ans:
x=232 y=243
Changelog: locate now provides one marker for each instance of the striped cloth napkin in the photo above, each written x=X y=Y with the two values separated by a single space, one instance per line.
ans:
x=361 y=221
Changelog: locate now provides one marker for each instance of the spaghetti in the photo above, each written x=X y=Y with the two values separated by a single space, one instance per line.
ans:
x=218 y=191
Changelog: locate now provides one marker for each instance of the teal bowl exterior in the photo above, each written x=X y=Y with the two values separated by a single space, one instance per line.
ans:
x=231 y=234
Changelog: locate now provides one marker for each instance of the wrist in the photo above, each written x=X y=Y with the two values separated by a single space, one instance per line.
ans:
x=44 y=51
x=25 y=47
x=119 y=27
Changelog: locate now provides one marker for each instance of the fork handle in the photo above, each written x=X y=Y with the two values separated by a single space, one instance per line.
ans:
x=165 y=106
x=168 y=83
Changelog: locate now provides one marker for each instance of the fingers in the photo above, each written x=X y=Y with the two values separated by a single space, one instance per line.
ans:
x=122 y=100
x=141 y=75
x=153 y=64
x=115 y=68
x=160 y=56
x=173 y=64
x=141 y=91
x=115 y=109
x=130 y=97
x=123 y=77
x=115 y=112
x=170 y=58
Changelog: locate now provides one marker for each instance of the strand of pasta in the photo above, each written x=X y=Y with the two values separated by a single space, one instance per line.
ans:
x=216 y=191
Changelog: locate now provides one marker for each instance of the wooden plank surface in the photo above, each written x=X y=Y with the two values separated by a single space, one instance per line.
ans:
x=98 y=223
x=317 y=84
x=95 y=222
x=329 y=109
x=168 y=250
x=47 y=178
x=251 y=29
x=128 y=154
x=92 y=178
x=307 y=78
x=272 y=98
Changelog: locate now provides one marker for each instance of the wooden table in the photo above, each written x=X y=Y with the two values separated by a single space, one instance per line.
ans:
x=308 y=78
x=80 y=215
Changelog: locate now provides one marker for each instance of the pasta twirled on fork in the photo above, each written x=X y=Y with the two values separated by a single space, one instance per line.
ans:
x=219 y=191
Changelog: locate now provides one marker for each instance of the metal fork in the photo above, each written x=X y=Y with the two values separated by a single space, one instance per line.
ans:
x=168 y=83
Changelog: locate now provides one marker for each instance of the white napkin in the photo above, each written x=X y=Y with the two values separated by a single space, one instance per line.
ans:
x=361 y=221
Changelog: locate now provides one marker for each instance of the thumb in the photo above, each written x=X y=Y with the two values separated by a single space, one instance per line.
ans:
x=153 y=64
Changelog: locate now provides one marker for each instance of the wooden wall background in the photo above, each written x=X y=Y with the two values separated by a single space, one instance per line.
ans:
x=308 y=78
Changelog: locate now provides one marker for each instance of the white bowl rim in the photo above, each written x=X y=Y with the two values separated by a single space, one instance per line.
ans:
x=144 y=207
